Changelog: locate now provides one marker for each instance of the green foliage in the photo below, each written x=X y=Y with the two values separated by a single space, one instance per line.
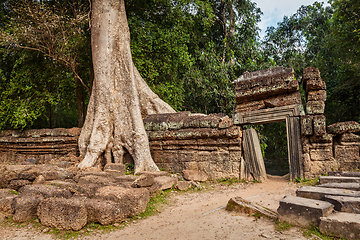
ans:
x=312 y=231
x=282 y=226
x=13 y=191
x=129 y=168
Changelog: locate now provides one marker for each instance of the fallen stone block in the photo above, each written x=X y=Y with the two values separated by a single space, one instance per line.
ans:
x=302 y=211
x=6 y=198
x=348 y=186
x=116 y=166
x=344 y=204
x=344 y=127
x=94 y=179
x=17 y=184
x=25 y=207
x=47 y=191
x=104 y=212
x=133 y=200
x=114 y=173
x=239 y=204
x=335 y=179
x=61 y=213
x=343 y=225
x=87 y=190
x=126 y=178
x=195 y=175
x=318 y=193
x=165 y=182
x=144 y=180
x=182 y=185
x=344 y=174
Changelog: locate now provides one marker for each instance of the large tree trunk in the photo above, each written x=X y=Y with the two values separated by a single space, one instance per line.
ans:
x=120 y=97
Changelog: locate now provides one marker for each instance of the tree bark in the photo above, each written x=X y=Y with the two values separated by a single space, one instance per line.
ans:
x=120 y=98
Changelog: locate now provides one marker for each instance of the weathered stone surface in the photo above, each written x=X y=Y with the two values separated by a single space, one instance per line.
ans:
x=302 y=211
x=182 y=185
x=322 y=167
x=47 y=191
x=61 y=213
x=344 y=127
x=87 y=190
x=346 y=153
x=315 y=107
x=348 y=138
x=114 y=173
x=226 y=122
x=156 y=122
x=344 y=204
x=325 y=138
x=319 y=125
x=344 y=174
x=115 y=166
x=319 y=95
x=250 y=106
x=72 y=187
x=133 y=200
x=164 y=182
x=343 y=225
x=6 y=198
x=144 y=180
x=283 y=100
x=17 y=184
x=315 y=84
x=25 y=207
x=126 y=178
x=306 y=124
x=155 y=174
x=336 y=179
x=318 y=193
x=266 y=91
x=32 y=160
x=194 y=175
x=310 y=72
x=349 y=186
x=175 y=120
x=241 y=205
x=94 y=179
x=104 y=212
x=321 y=154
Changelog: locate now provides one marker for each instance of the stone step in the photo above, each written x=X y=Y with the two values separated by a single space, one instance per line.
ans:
x=302 y=211
x=344 y=204
x=335 y=179
x=344 y=174
x=319 y=193
x=343 y=225
x=348 y=186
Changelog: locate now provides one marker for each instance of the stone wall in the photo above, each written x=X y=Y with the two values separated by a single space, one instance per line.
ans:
x=210 y=143
x=46 y=145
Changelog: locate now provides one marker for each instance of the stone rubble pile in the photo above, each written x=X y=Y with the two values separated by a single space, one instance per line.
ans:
x=64 y=197
x=333 y=206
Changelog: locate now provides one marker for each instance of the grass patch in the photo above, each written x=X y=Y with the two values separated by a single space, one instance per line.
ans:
x=311 y=231
x=282 y=226
x=307 y=182
x=13 y=191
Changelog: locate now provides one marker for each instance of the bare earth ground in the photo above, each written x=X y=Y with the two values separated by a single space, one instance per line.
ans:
x=195 y=215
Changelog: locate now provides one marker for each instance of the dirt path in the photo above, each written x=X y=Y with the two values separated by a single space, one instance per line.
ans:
x=198 y=215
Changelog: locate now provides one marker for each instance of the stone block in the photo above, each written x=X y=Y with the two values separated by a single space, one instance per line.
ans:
x=104 y=212
x=115 y=173
x=133 y=200
x=6 y=199
x=349 y=186
x=182 y=185
x=344 y=174
x=115 y=166
x=336 y=179
x=249 y=106
x=175 y=120
x=95 y=179
x=283 y=100
x=346 y=153
x=226 y=122
x=319 y=95
x=321 y=154
x=165 y=182
x=61 y=213
x=238 y=204
x=344 y=204
x=264 y=77
x=194 y=175
x=47 y=191
x=348 y=138
x=302 y=211
x=315 y=107
x=319 y=125
x=306 y=124
x=306 y=162
x=17 y=184
x=310 y=72
x=344 y=127
x=144 y=180
x=325 y=138
x=25 y=207
x=193 y=121
x=315 y=84
x=318 y=193
x=342 y=225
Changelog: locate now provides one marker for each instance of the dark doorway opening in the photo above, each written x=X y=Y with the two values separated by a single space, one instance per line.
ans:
x=273 y=138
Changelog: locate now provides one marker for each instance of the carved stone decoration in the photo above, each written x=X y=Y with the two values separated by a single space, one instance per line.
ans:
x=253 y=166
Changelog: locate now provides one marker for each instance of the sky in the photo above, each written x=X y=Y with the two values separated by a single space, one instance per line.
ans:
x=275 y=10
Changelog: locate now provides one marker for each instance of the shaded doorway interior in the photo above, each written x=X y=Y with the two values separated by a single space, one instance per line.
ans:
x=273 y=140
